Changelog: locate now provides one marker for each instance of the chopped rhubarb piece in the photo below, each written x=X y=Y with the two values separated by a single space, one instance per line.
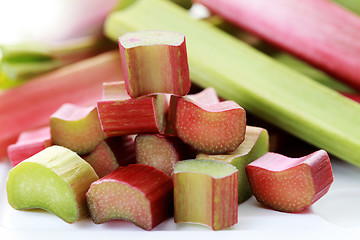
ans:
x=209 y=128
x=206 y=192
x=111 y=153
x=154 y=62
x=255 y=145
x=77 y=128
x=79 y=83
x=327 y=38
x=206 y=96
x=137 y=193
x=114 y=90
x=161 y=151
x=29 y=143
x=290 y=184
x=126 y=116
x=55 y=179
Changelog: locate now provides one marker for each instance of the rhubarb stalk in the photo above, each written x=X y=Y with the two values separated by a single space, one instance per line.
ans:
x=326 y=37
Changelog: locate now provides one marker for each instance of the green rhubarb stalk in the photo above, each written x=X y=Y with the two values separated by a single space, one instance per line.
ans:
x=282 y=96
x=352 y=5
x=312 y=72
x=22 y=61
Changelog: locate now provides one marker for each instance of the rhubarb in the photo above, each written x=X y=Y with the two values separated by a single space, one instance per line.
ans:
x=267 y=89
x=111 y=153
x=209 y=128
x=29 y=143
x=161 y=152
x=326 y=39
x=312 y=72
x=206 y=96
x=290 y=184
x=79 y=83
x=76 y=128
x=137 y=193
x=114 y=90
x=154 y=62
x=205 y=192
x=125 y=116
x=255 y=145
x=55 y=179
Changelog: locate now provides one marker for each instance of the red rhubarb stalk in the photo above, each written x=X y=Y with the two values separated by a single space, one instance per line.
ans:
x=28 y=144
x=31 y=104
x=318 y=31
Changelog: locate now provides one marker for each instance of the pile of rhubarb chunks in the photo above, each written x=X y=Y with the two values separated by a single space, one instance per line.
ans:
x=148 y=151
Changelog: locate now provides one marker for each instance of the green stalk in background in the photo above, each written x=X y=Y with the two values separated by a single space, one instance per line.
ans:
x=312 y=72
x=352 y=5
x=270 y=90
x=22 y=61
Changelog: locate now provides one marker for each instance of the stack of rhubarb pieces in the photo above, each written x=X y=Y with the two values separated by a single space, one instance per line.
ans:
x=158 y=151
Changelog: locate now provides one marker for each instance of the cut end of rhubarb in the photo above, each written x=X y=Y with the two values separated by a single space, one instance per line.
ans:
x=150 y=37
x=214 y=169
x=209 y=128
x=290 y=184
x=113 y=200
x=137 y=193
x=154 y=62
x=159 y=151
x=55 y=179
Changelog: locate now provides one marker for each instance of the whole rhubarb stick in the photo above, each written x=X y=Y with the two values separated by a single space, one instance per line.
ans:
x=265 y=88
x=31 y=104
x=318 y=31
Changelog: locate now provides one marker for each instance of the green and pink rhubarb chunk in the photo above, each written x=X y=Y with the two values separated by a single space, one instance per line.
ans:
x=154 y=62
x=55 y=179
x=206 y=192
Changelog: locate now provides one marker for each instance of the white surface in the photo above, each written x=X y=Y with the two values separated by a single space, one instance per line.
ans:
x=336 y=215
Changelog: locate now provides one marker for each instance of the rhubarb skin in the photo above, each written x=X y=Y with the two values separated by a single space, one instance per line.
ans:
x=76 y=128
x=154 y=62
x=29 y=143
x=255 y=145
x=205 y=192
x=327 y=39
x=161 y=151
x=137 y=193
x=209 y=128
x=55 y=179
x=290 y=184
x=79 y=83
x=132 y=116
x=111 y=153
